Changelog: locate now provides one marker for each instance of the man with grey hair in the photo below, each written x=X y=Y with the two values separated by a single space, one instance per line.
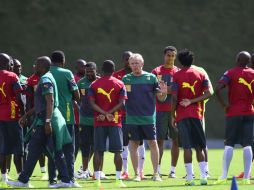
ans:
x=142 y=88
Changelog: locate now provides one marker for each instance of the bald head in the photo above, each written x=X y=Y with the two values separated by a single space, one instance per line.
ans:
x=17 y=67
x=81 y=66
x=243 y=58
x=4 y=61
x=42 y=65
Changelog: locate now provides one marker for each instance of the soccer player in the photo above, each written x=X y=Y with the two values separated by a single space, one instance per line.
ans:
x=165 y=73
x=107 y=95
x=141 y=149
x=239 y=113
x=142 y=88
x=190 y=88
x=49 y=124
x=240 y=176
x=86 y=119
x=11 y=108
x=81 y=69
x=68 y=91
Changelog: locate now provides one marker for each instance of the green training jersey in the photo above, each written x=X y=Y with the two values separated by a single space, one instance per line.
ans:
x=86 y=113
x=65 y=85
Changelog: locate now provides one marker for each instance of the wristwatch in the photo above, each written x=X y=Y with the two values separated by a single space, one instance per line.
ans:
x=48 y=120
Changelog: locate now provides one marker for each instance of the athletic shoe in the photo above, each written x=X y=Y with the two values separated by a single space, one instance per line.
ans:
x=246 y=181
x=97 y=183
x=172 y=175
x=156 y=177
x=119 y=183
x=220 y=182
x=189 y=182
x=125 y=176
x=52 y=184
x=89 y=172
x=62 y=185
x=75 y=184
x=137 y=178
x=19 y=184
x=103 y=176
x=203 y=181
x=83 y=175
x=185 y=177
x=240 y=176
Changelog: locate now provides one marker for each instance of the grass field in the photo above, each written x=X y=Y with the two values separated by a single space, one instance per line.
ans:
x=215 y=164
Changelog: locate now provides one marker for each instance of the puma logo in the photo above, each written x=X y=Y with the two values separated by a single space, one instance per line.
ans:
x=191 y=87
x=102 y=91
x=244 y=82
x=2 y=89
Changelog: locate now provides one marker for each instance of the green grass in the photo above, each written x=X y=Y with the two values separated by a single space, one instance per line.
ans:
x=215 y=163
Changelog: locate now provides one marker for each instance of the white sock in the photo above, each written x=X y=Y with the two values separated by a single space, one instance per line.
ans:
x=43 y=169
x=206 y=167
x=189 y=171
x=97 y=175
x=125 y=154
x=141 y=159
x=118 y=174
x=4 y=177
x=159 y=169
x=173 y=169
x=227 y=157
x=202 y=167
x=247 y=157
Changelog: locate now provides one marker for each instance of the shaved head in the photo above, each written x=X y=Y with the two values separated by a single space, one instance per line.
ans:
x=243 y=58
x=43 y=65
x=4 y=61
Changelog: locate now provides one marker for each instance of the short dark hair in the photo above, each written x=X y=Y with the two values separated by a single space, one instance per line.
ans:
x=91 y=65
x=170 y=48
x=186 y=57
x=108 y=67
x=58 y=57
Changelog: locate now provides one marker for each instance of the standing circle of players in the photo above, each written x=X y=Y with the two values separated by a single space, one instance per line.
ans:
x=124 y=107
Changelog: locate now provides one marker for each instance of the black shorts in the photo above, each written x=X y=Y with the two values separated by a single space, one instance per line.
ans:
x=239 y=130
x=191 y=133
x=11 y=138
x=141 y=132
x=87 y=139
x=125 y=133
x=113 y=133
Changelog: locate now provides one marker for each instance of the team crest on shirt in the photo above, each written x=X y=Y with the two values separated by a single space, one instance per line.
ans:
x=159 y=77
x=83 y=91
x=128 y=87
x=241 y=80
x=148 y=78
x=191 y=87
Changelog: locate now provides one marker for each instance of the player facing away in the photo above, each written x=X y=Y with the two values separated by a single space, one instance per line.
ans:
x=190 y=88
x=107 y=96
x=67 y=93
x=142 y=88
x=164 y=129
x=11 y=135
x=141 y=149
x=239 y=113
